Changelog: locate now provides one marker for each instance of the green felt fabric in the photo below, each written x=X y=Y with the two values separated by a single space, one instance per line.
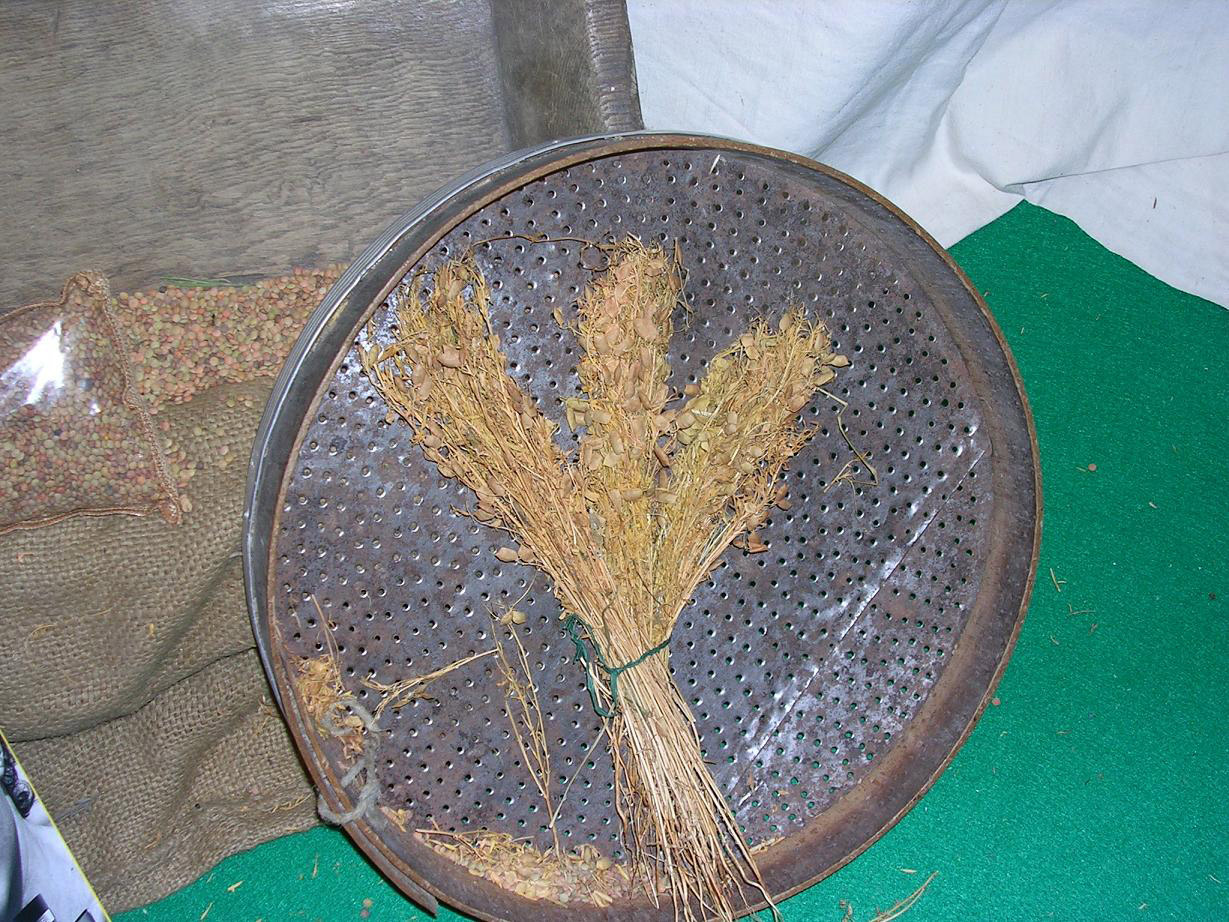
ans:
x=1099 y=787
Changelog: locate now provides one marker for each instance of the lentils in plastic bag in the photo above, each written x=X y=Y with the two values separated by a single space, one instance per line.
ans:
x=74 y=437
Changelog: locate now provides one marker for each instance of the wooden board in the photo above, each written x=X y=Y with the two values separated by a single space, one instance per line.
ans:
x=215 y=138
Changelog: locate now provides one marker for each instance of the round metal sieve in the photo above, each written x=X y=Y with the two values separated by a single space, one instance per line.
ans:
x=832 y=677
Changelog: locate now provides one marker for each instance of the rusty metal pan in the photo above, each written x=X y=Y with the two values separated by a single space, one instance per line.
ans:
x=832 y=677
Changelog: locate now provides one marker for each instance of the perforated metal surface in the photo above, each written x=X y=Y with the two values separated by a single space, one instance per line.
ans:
x=831 y=676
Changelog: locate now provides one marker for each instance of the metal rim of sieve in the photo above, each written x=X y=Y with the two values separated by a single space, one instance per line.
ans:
x=1007 y=536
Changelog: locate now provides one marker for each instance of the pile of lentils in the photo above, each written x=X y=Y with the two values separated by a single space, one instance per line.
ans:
x=184 y=341
x=187 y=340
x=76 y=445
x=71 y=439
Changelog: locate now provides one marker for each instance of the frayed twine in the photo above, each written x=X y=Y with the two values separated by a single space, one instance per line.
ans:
x=365 y=805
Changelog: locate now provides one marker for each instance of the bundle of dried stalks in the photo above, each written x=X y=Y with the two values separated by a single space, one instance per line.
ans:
x=626 y=531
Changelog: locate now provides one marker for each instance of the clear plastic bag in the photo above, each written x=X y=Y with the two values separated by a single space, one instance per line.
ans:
x=74 y=437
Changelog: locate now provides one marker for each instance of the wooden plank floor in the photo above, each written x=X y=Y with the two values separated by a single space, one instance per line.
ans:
x=228 y=137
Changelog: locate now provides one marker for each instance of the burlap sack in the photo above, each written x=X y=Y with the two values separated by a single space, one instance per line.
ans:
x=132 y=692
x=219 y=775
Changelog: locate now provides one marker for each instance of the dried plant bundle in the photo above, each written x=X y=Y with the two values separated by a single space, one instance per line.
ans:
x=660 y=486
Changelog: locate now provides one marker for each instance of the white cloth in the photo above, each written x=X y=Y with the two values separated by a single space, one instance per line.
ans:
x=35 y=864
x=1114 y=113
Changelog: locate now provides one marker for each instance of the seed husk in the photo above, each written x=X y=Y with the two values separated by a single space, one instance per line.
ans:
x=645 y=328
x=699 y=406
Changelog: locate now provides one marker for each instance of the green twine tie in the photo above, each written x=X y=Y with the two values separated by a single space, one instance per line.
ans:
x=574 y=626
